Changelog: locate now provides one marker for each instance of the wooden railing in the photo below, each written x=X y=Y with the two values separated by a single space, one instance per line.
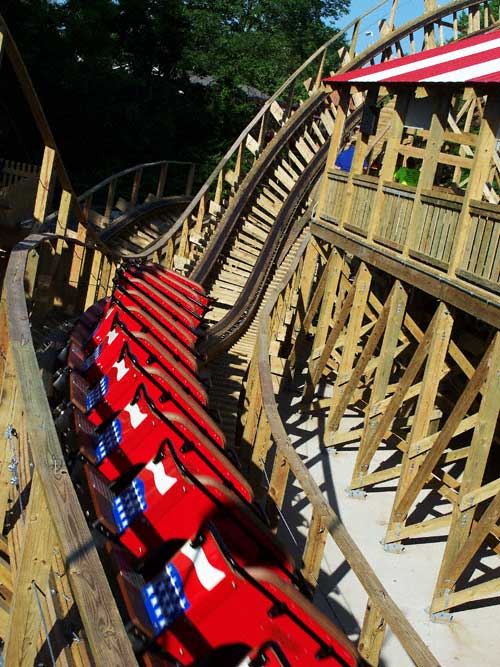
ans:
x=433 y=238
x=59 y=606
x=268 y=447
x=11 y=171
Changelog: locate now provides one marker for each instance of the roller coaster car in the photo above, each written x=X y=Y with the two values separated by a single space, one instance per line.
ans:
x=190 y=289
x=88 y=321
x=169 y=288
x=129 y=297
x=146 y=350
x=170 y=499
x=135 y=435
x=168 y=275
x=270 y=655
x=135 y=321
x=115 y=390
x=206 y=598
x=162 y=300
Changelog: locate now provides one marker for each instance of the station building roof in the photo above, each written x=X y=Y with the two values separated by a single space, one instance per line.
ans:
x=466 y=61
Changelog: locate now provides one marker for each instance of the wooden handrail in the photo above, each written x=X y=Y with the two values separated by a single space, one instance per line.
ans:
x=103 y=627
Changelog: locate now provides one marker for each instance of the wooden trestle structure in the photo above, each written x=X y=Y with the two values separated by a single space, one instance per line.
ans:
x=349 y=287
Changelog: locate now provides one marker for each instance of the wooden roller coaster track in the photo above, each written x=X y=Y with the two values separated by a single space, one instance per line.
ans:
x=244 y=237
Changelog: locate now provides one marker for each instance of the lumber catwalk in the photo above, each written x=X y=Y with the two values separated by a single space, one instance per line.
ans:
x=200 y=386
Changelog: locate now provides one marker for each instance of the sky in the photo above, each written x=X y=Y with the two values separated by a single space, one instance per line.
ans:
x=407 y=9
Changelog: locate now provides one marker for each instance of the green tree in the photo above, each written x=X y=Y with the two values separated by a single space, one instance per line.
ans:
x=116 y=76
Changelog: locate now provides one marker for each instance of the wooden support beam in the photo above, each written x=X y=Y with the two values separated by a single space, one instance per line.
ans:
x=372 y=634
x=43 y=193
x=462 y=519
x=457 y=414
x=330 y=283
x=356 y=315
x=337 y=412
x=378 y=433
x=425 y=406
x=337 y=326
x=315 y=547
x=382 y=375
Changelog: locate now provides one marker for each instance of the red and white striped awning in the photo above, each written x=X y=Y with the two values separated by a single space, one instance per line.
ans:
x=472 y=60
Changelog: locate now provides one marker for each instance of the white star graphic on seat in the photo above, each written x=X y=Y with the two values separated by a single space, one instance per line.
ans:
x=112 y=334
x=121 y=369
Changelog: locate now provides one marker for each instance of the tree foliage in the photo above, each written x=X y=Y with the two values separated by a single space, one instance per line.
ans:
x=116 y=76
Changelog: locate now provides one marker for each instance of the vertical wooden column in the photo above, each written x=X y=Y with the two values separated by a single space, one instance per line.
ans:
x=136 y=185
x=340 y=318
x=381 y=380
x=44 y=185
x=335 y=143
x=352 y=337
x=439 y=120
x=423 y=413
x=331 y=283
x=110 y=200
x=315 y=547
x=372 y=634
x=455 y=559
x=390 y=159
x=162 y=179
x=483 y=155
x=347 y=391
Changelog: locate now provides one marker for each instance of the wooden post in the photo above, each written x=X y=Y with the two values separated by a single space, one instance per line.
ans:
x=110 y=200
x=335 y=143
x=441 y=105
x=161 y=181
x=63 y=216
x=331 y=274
x=382 y=376
x=44 y=185
x=454 y=560
x=338 y=408
x=315 y=547
x=423 y=413
x=485 y=147
x=390 y=160
x=357 y=312
x=339 y=320
x=372 y=634
x=136 y=186
x=25 y=621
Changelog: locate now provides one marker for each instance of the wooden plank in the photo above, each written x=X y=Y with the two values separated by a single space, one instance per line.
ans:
x=474 y=467
x=42 y=201
x=337 y=411
x=25 y=620
x=344 y=373
x=460 y=409
x=372 y=634
x=103 y=626
x=315 y=548
x=425 y=405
